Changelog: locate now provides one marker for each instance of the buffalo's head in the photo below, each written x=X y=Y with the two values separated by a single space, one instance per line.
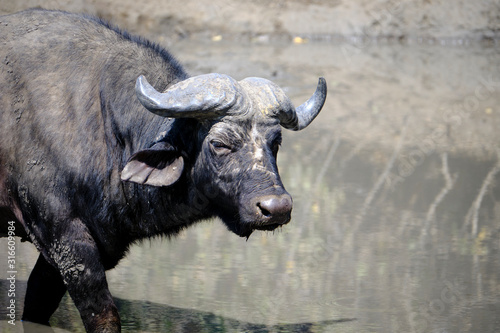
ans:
x=239 y=134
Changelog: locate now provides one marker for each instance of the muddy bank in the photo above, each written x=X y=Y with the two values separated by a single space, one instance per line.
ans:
x=324 y=18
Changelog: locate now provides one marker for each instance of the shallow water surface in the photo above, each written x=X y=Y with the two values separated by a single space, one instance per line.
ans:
x=396 y=220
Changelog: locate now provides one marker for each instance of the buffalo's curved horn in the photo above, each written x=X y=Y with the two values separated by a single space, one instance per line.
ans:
x=302 y=116
x=203 y=97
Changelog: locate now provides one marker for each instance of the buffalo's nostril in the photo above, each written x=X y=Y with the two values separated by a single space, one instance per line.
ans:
x=275 y=208
x=263 y=210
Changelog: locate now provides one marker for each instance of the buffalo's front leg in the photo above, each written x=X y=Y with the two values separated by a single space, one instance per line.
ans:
x=44 y=292
x=78 y=260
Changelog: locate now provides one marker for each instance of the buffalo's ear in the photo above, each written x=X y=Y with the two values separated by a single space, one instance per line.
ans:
x=160 y=165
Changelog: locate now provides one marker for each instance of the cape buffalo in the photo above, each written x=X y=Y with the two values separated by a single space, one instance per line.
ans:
x=94 y=158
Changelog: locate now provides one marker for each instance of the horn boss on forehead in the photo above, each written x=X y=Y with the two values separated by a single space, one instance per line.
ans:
x=202 y=97
x=215 y=95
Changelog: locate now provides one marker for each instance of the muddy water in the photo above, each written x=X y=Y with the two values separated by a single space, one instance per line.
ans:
x=396 y=186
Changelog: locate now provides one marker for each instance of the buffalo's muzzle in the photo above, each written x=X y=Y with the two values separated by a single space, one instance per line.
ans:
x=272 y=211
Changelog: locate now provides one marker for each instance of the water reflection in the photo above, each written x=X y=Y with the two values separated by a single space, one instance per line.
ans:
x=145 y=316
x=397 y=202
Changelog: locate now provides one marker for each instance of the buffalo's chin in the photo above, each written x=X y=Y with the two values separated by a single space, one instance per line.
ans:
x=245 y=229
x=240 y=229
x=267 y=227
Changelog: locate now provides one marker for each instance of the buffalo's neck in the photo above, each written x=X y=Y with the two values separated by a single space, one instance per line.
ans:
x=141 y=211
x=165 y=211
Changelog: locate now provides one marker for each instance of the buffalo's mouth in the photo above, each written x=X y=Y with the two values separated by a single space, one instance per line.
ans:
x=245 y=228
x=274 y=222
x=268 y=227
x=246 y=231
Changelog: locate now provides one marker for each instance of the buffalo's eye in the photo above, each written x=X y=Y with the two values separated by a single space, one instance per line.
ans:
x=221 y=147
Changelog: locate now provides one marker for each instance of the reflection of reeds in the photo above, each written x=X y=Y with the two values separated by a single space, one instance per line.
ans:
x=383 y=176
x=326 y=163
x=473 y=213
x=448 y=185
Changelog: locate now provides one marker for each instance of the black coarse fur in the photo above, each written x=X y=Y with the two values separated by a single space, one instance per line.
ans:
x=69 y=123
